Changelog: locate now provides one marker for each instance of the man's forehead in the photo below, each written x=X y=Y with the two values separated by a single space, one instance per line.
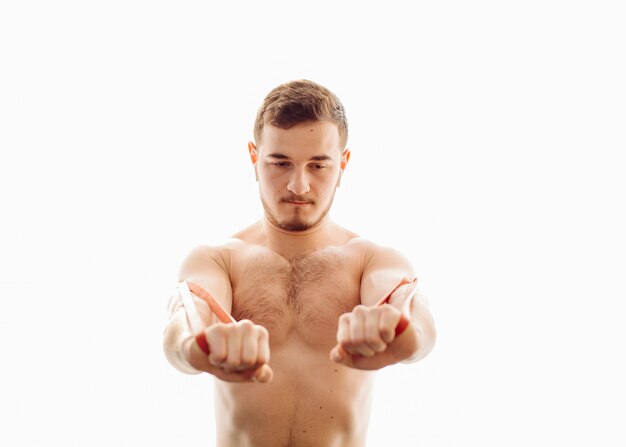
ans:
x=310 y=126
x=318 y=139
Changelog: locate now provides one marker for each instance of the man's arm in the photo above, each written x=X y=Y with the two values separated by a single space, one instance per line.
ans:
x=239 y=352
x=367 y=334
x=205 y=267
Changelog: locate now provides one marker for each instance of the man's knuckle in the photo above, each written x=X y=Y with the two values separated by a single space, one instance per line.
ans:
x=215 y=330
x=248 y=360
x=361 y=309
x=216 y=358
x=261 y=332
x=358 y=341
x=372 y=338
x=246 y=327
x=386 y=331
x=232 y=363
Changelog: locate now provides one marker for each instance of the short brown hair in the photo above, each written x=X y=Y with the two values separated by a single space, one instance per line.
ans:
x=298 y=102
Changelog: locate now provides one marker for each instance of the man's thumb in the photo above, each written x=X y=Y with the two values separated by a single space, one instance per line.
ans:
x=263 y=374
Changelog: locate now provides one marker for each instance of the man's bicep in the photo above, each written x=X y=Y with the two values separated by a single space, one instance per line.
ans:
x=382 y=273
x=206 y=267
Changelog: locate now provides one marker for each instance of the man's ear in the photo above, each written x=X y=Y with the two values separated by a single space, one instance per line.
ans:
x=254 y=156
x=345 y=157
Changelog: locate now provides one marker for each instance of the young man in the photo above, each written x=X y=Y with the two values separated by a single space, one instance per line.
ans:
x=296 y=367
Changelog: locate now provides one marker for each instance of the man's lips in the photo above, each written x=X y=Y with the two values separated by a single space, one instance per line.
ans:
x=297 y=202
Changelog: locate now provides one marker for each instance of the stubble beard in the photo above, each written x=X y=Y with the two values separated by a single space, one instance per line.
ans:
x=296 y=224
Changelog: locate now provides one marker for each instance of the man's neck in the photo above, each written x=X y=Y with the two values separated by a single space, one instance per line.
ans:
x=292 y=244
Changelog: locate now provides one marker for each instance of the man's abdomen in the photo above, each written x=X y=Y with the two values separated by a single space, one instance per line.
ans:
x=311 y=402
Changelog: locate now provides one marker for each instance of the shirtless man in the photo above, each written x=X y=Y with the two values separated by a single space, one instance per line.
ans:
x=302 y=289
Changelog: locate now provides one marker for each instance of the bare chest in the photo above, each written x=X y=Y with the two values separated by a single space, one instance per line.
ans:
x=305 y=295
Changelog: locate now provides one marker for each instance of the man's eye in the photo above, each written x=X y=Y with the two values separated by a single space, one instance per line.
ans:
x=281 y=164
x=318 y=166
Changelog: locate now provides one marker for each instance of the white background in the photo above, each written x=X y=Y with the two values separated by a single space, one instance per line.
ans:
x=487 y=141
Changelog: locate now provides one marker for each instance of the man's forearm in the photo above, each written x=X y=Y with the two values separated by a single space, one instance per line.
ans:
x=423 y=325
x=421 y=336
x=176 y=345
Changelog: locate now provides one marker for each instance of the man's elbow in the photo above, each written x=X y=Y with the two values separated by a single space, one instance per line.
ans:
x=426 y=338
x=173 y=348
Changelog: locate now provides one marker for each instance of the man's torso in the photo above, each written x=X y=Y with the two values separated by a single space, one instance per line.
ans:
x=311 y=401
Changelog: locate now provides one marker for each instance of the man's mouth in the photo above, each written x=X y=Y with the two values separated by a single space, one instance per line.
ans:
x=295 y=201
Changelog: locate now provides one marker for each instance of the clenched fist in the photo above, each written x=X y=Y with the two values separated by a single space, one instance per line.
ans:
x=365 y=338
x=239 y=352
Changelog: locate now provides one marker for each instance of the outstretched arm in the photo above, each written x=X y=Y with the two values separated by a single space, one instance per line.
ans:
x=366 y=336
x=234 y=351
x=205 y=267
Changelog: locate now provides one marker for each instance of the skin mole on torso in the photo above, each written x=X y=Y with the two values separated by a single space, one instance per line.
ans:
x=306 y=294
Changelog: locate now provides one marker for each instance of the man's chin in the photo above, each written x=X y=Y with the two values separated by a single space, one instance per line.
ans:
x=294 y=222
x=295 y=226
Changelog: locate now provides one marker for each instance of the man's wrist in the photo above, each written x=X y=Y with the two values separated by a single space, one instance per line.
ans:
x=185 y=355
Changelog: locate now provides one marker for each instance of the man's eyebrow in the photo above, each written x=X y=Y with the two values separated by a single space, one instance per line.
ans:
x=321 y=158
x=279 y=156
x=314 y=158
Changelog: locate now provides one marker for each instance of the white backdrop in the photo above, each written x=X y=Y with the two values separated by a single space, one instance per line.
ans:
x=486 y=139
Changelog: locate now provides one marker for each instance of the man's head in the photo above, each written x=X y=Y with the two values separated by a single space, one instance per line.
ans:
x=297 y=102
x=301 y=133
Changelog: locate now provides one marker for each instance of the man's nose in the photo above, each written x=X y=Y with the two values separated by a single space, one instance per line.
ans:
x=299 y=182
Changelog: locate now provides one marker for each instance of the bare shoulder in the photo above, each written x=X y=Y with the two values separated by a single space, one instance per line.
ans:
x=203 y=256
x=380 y=255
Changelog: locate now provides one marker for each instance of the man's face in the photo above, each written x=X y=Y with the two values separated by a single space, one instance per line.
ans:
x=298 y=171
